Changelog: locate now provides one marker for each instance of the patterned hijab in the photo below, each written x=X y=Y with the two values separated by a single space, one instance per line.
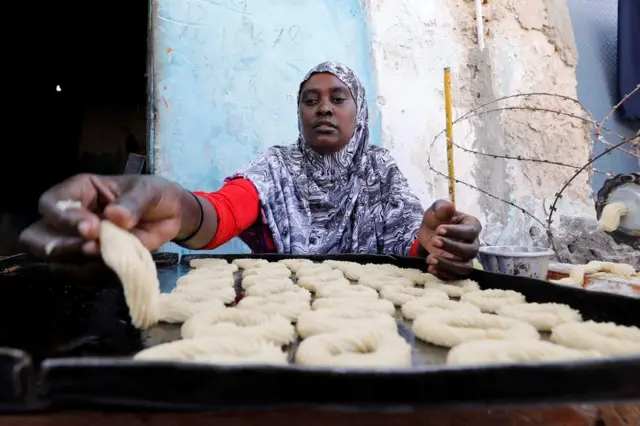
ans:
x=352 y=201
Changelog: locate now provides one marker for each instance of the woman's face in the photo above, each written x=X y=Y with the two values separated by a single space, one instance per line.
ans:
x=327 y=112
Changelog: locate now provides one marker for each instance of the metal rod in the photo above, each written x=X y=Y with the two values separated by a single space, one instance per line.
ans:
x=480 y=24
x=449 y=113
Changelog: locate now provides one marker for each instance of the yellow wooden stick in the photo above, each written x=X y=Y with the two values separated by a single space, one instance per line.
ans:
x=448 y=109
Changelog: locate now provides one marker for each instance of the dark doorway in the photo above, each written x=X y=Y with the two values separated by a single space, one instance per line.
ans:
x=77 y=94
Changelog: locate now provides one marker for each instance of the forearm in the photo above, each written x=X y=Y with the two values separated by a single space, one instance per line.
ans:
x=226 y=214
x=193 y=210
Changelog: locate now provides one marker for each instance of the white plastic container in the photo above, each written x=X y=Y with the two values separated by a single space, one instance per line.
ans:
x=521 y=261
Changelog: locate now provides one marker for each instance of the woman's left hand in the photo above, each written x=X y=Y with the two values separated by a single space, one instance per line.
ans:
x=450 y=239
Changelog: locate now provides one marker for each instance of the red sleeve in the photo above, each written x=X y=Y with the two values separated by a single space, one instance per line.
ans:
x=238 y=207
x=413 y=251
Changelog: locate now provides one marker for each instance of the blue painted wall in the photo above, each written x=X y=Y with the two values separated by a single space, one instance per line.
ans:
x=595 y=24
x=226 y=74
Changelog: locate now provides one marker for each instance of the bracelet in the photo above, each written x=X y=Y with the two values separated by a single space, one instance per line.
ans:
x=193 y=234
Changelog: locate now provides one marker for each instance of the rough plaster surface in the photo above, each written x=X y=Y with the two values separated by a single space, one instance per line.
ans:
x=529 y=48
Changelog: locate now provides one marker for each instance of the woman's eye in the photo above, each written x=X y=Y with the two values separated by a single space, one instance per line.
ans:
x=339 y=100
x=309 y=102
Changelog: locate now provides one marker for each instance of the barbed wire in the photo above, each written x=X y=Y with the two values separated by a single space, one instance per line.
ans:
x=598 y=130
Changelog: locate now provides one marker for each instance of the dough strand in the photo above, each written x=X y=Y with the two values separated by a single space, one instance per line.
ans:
x=134 y=266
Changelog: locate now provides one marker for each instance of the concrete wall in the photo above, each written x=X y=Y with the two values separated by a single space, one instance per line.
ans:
x=226 y=74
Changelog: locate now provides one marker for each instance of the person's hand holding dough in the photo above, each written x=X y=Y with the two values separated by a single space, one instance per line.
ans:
x=152 y=208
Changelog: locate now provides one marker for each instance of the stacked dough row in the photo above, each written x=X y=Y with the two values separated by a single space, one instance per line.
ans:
x=498 y=326
x=349 y=325
x=350 y=322
x=255 y=331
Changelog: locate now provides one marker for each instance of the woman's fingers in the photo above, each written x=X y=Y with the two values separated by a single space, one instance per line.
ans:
x=456 y=249
x=449 y=269
x=467 y=233
x=46 y=242
x=153 y=235
x=58 y=209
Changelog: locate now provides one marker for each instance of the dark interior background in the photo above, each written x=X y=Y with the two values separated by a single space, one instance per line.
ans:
x=96 y=53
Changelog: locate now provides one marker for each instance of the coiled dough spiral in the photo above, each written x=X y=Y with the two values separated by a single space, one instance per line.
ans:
x=295 y=264
x=134 y=266
x=605 y=337
x=313 y=282
x=375 y=305
x=355 y=348
x=204 y=281
x=239 y=322
x=508 y=351
x=197 y=263
x=201 y=293
x=176 y=309
x=271 y=269
x=452 y=328
x=252 y=280
x=376 y=282
x=399 y=295
x=339 y=290
x=454 y=289
x=249 y=263
x=288 y=308
x=492 y=300
x=277 y=287
x=330 y=320
x=423 y=305
x=543 y=316
x=216 y=350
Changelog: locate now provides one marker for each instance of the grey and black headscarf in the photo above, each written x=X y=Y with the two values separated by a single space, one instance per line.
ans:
x=352 y=201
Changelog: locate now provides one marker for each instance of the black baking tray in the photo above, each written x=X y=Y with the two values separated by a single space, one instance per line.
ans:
x=93 y=368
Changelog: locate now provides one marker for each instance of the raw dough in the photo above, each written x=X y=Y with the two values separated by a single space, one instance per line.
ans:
x=313 y=270
x=134 y=266
x=611 y=215
x=252 y=280
x=375 y=305
x=201 y=293
x=543 y=316
x=423 y=305
x=271 y=269
x=492 y=300
x=339 y=290
x=312 y=283
x=295 y=264
x=605 y=337
x=399 y=295
x=210 y=283
x=454 y=289
x=355 y=348
x=329 y=320
x=289 y=309
x=200 y=262
x=377 y=281
x=176 y=309
x=452 y=328
x=577 y=272
x=239 y=322
x=513 y=351
x=216 y=350
x=275 y=287
x=249 y=263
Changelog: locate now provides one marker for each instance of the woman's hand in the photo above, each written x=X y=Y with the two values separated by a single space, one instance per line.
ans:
x=450 y=239
x=149 y=206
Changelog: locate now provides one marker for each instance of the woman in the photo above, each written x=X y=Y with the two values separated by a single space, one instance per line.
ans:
x=331 y=192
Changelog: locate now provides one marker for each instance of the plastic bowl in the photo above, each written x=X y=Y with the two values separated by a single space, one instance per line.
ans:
x=522 y=261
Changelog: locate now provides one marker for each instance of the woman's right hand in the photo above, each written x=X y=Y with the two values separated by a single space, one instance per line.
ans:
x=148 y=206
